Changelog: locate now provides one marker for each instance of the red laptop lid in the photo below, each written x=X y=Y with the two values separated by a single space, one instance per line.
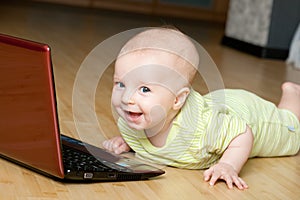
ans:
x=29 y=131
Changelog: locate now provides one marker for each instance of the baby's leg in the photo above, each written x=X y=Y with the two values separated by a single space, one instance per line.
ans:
x=290 y=98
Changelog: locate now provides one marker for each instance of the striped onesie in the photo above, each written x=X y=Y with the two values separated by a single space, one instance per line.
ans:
x=206 y=125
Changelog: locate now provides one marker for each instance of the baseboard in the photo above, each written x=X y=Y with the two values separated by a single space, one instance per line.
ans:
x=262 y=52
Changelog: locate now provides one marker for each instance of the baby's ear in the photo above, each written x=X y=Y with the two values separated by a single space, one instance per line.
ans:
x=181 y=96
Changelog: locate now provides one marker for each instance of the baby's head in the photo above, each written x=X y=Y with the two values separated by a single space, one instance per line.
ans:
x=168 y=44
x=153 y=74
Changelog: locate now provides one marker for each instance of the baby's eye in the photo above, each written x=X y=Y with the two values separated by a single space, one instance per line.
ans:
x=120 y=84
x=145 y=89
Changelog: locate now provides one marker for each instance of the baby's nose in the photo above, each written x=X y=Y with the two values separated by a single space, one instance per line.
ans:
x=128 y=97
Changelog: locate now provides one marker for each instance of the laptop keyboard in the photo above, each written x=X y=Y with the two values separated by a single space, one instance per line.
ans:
x=79 y=161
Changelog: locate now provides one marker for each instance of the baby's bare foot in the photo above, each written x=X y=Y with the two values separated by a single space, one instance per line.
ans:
x=290 y=98
x=291 y=87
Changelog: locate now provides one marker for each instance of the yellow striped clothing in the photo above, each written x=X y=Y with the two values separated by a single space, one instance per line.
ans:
x=207 y=124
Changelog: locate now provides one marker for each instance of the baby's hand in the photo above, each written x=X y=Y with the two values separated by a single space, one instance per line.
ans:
x=225 y=172
x=116 y=145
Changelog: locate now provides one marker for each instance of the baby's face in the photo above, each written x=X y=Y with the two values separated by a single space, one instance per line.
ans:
x=145 y=87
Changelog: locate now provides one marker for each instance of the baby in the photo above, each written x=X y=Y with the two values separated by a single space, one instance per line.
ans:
x=165 y=121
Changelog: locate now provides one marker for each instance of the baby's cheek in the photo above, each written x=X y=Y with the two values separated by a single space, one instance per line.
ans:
x=157 y=112
x=156 y=118
x=115 y=99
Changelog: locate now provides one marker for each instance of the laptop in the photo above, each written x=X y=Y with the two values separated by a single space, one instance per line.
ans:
x=29 y=127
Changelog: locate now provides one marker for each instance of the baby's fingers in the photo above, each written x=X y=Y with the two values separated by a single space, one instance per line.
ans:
x=207 y=174
x=107 y=144
x=122 y=148
x=240 y=183
x=228 y=179
x=111 y=144
x=214 y=177
x=211 y=175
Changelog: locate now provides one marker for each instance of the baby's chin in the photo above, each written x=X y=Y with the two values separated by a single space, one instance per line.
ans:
x=139 y=127
x=134 y=125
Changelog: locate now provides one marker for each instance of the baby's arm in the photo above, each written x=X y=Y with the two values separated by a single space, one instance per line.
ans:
x=232 y=161
x=116 y=144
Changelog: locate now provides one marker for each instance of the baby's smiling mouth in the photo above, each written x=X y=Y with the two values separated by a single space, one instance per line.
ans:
x=133 y=116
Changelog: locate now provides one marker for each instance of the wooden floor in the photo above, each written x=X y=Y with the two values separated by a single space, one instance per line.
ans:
x=72 y=33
